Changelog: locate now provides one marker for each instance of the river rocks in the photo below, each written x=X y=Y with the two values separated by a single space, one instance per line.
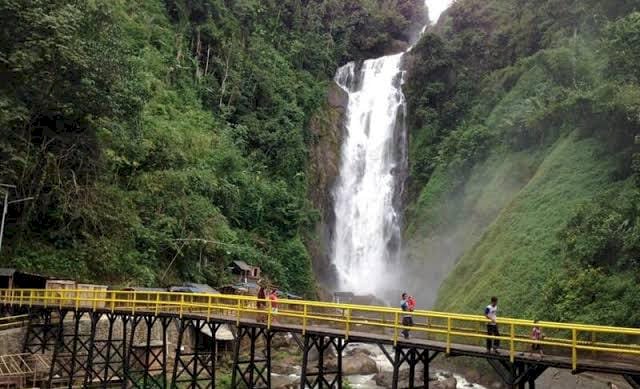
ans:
x=284 y=381
x=359 y=350
x=385 y=379
x=281 y=341
x=448 y=383
x=359 y=363
x=328 y=354
x=284 y=368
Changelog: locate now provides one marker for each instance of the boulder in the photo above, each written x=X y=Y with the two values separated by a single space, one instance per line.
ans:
x=358 y=350
x=328 y=354
x=450 y=383
x=281 y=341
x=283 y=368
x=385 y=379
x=284 y=382
x=359 y=364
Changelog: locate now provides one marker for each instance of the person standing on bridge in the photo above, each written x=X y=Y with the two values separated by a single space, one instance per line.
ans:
x=491 y=313
x=407 y=319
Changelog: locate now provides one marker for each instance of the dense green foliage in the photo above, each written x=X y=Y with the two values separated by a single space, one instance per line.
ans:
x=159 y=140
x=522 y=117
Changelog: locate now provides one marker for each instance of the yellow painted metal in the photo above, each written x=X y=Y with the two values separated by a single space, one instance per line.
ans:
x=346 y=329
x=448 y=335
x=574 y=349
x=395 y=328
x=304 y=320
x=512 y=346
x=466 y=329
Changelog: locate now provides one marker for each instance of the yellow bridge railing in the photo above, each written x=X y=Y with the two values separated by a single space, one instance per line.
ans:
x=580 y=343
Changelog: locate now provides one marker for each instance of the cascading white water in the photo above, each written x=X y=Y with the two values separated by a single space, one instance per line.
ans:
x=367 y=193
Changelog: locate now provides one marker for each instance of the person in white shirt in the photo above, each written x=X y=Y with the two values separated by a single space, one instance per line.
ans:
x=490 y=312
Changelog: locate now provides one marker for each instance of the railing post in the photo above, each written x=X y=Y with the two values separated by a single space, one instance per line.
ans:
x=395 y=328
x=238 y=313
x=76 y=295
x=269 y=314
x=157 y=303
x=448 y=335
x=113 y=301
x=512 y=347
x=209 y=308
x=30 y=298
x=133 y=302
x=95 y=300
x=574 y=350
x=181 y=304
x=346 y=335
x=304 y=319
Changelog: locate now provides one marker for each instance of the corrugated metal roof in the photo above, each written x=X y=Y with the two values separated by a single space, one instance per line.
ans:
x=193 y=288
x=242 y=265
x=6 y=271
x=142 y=289
x=201 y=288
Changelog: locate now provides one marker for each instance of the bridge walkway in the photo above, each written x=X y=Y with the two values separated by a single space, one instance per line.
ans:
x=577 y=347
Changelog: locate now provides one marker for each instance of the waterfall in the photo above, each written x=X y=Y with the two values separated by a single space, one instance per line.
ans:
x=367 y=194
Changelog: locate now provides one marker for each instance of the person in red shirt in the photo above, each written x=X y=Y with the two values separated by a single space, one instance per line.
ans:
x=273 y=296
x=536 y=336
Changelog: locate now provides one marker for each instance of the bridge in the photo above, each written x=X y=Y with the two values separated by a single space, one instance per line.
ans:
x=126 y=341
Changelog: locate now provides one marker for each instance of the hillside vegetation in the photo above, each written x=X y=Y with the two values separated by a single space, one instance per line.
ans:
x=160 y=140
x=524 y=170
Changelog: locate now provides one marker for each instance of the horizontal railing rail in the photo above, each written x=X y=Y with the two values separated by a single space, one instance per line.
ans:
x=580 y=342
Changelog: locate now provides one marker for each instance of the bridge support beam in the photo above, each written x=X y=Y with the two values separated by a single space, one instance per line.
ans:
x=107 y=352
x=413 y=357
x=518 y=375
x=195 y=368
x=633 y=380
x=321 y=375
x=252 y=371
x=146 y=363
x=41 y=332
x=71 y=354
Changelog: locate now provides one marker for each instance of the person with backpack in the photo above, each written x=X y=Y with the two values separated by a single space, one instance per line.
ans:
x=407 y=319
x=490 y=312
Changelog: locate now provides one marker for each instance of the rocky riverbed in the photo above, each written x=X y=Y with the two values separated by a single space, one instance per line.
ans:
x=364 y=366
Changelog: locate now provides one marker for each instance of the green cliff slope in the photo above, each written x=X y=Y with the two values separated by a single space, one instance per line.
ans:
x=522 y=120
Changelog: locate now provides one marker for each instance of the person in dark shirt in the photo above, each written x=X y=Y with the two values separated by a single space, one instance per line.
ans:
x=491 y=312
x=407 y=319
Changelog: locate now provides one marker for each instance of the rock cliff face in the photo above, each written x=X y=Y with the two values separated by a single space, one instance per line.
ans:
x=326 y=127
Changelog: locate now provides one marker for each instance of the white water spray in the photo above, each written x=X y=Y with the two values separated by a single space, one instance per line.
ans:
x=367 y=194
